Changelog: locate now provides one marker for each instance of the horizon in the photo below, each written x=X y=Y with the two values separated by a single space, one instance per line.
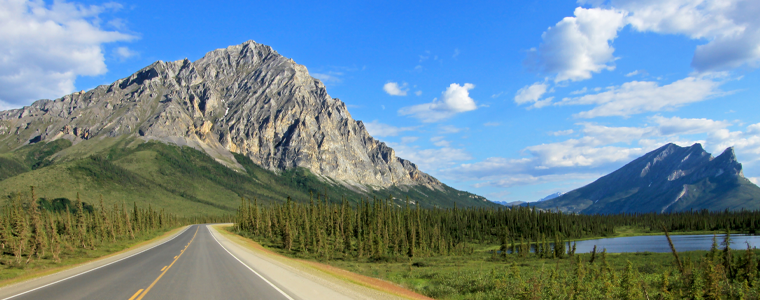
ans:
x=578 y=91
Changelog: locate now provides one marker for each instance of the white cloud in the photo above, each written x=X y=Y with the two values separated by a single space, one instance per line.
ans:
x=676 y=125
x=394 y=89
x=602 y=149
x=440 y=141
x=329 y=77
x=634 y=73
x=409 y=139
x=562 y=132
x=418 y=93
x=578 y=46
x=431 y=160
x=6 y=106
x=581 y=91
x=531 y=93
x=455 y=99
x=446 y=129
x=377 y=129
x=43 y=48
x=456 y=53
x=124 y=53
x=637 y=97
x=524 y=179
x=731 y=27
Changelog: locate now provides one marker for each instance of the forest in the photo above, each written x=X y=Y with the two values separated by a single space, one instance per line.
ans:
x=506 y=253
x=37 y=233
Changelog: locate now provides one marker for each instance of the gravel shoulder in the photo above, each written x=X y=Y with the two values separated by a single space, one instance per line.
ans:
x=303 y=279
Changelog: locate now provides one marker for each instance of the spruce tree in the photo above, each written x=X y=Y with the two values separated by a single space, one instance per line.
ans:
x=38 y=239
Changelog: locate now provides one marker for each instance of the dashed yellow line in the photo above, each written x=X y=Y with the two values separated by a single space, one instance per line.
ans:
x=164 y=270
x=135 y=295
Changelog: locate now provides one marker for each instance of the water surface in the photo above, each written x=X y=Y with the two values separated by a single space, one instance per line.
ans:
x=659 y=243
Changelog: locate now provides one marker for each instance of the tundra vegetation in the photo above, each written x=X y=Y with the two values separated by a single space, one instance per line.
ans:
x=37 y=234
x=506 y=253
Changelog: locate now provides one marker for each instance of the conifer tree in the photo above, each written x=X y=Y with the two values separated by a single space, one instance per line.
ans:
x=55 y=240
x=38 y=239
x=727 y=258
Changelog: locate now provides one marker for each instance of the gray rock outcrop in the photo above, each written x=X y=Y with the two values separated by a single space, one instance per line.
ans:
x=246 y=99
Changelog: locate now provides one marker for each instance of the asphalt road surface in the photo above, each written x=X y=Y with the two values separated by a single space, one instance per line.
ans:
x=193 y=265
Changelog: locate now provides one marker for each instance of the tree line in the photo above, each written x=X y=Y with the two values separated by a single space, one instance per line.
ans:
x=383 y=227
x=39 y=229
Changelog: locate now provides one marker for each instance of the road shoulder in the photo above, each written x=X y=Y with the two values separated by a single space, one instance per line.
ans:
x=19 y=285
x=312 y=277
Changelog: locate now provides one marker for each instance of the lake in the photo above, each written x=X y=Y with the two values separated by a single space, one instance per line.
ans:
x=659 y=243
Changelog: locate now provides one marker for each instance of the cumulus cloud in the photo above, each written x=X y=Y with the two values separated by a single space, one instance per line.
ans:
x=377 y=129
x=43 y=48
x=455 y=99
x=394 y=89
x=637 y=97
x=578 y=46
x=731 y=28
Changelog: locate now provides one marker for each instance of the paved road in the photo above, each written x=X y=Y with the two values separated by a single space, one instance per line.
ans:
x=193 y=265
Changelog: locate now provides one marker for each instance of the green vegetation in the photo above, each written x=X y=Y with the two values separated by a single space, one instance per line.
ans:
x=34 y=237
x=182 y=180
x=517 y=253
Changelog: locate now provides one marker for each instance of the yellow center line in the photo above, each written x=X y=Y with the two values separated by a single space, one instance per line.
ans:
x=167 y=268
x=135 y=295
x=164 y=268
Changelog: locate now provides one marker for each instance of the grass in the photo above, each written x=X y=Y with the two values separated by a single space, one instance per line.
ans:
x=181 y=180
x=10 y=274
x=481 y=275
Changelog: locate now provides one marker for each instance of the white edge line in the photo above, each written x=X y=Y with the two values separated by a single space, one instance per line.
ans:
x=88 y=271
x=249 y=268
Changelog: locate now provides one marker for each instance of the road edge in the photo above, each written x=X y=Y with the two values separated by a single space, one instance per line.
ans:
x=355 y=281
x=15 y=288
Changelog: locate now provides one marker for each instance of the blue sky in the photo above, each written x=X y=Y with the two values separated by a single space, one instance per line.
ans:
x=512 y=101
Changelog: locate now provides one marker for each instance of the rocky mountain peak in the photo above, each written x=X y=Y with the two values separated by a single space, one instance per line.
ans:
x=245 y=98
x=670 y=178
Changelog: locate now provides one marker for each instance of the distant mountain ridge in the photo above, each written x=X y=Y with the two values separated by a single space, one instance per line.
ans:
x=668 y=179
x=552 y=196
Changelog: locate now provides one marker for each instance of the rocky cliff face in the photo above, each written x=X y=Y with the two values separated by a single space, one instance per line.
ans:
x=671 y=178
x=246 y=99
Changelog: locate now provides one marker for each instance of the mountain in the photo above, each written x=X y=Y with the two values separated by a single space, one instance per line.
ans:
x=513 y=203
x=245 y=103
x=552 y=196
x=669 y=179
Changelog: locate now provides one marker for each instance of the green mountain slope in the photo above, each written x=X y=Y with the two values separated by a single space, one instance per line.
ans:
x=180 y=179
